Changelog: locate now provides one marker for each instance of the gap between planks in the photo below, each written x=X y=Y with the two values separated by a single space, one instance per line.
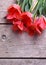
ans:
x=22 y=57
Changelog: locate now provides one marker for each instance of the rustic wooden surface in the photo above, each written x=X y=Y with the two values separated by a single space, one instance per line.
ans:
x=4 y=4
x=22 y=62
x=19 y=45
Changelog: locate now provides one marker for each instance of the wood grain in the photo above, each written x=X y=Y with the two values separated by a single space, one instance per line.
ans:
x=22 y=62
x=21 y=45
x=4 y=4
x=18 y=45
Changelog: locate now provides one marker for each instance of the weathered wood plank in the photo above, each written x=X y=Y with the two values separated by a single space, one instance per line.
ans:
x=4 y=4
x=21 y=45
x=22 y=62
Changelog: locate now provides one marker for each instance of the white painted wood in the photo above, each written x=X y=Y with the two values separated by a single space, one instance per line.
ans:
x=4 y=4
x=21 y=45
x=22 y=62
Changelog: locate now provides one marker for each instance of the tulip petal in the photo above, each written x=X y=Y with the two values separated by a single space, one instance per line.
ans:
x=26 y=18
x=19 y=25
x=14 y=11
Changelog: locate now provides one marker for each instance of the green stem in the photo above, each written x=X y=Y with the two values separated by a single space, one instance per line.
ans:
x=18 y=2
x=37 y=7
x=30 y=9
x=23 y=5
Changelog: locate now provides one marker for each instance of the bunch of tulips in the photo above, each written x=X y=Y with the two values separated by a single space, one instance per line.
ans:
x=24 y=21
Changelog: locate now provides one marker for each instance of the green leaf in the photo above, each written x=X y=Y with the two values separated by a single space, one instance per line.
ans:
x=38 y=5
x=27 y=7
x=40 y=10
x=18 y=2
x=23 y=5
x=30 y=2
x=44 y=10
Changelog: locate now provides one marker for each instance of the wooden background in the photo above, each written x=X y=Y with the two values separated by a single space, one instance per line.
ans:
x=19 y=45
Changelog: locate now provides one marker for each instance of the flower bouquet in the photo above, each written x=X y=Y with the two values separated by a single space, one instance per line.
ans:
x=26 y=17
